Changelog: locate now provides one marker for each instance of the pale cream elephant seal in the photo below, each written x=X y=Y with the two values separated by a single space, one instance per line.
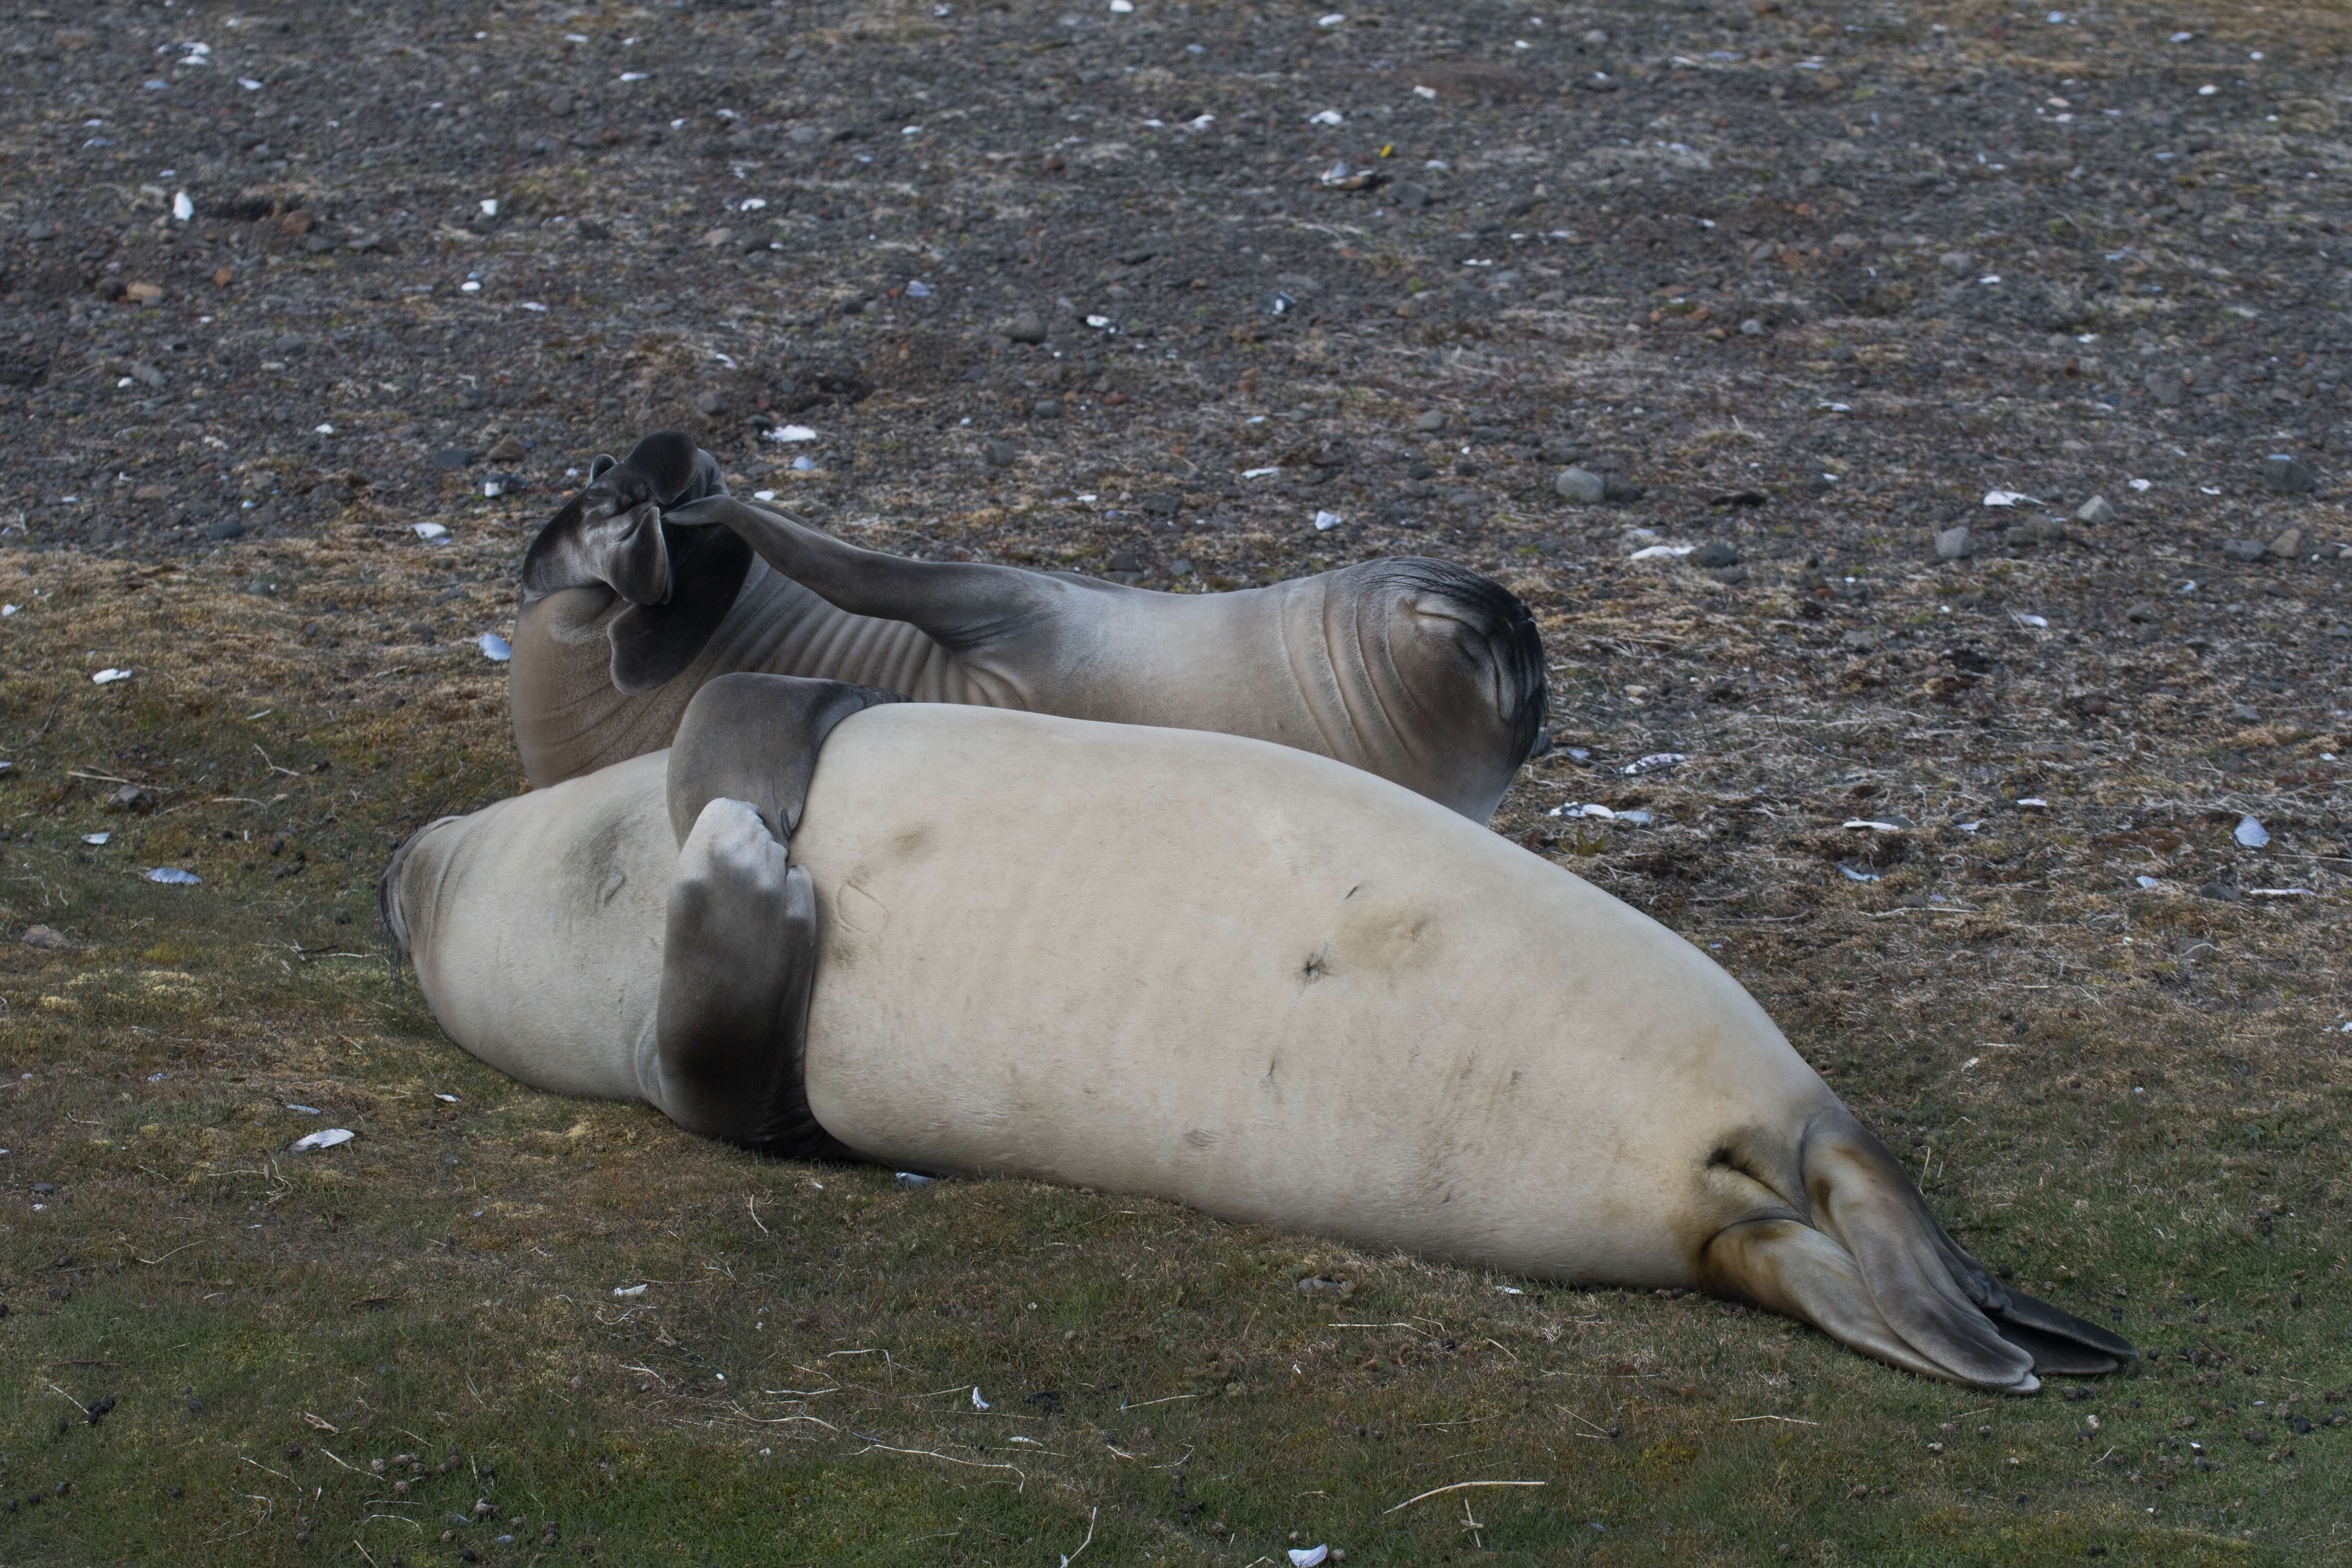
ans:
x=1157 y=960
x=653 y=581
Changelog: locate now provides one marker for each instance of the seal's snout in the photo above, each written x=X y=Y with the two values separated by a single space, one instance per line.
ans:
x=391 y=906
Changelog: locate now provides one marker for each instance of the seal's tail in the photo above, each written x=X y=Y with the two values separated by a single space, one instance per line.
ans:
x=1862 y=1260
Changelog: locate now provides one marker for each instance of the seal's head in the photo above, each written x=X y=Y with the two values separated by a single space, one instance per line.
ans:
x=1459 y=662
x=679 y=582
x=390 y=907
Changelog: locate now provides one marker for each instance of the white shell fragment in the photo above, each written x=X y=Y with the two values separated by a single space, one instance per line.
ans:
x=2250 y=833
x=430 y=530
x=109 y=675
x=174 y=876
x=325 y=1138
x=494 y=648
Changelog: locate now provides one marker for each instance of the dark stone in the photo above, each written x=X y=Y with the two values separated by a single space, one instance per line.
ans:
x=1714 y=553
x=230 y=527
x=453 y=458
x=2289 y=475
x=1159 y=503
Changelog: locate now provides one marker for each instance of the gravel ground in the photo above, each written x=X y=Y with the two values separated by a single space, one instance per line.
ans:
x=1200 y=297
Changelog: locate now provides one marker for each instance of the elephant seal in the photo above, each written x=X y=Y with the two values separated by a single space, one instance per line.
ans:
x=1200 y=966
x=654 y=581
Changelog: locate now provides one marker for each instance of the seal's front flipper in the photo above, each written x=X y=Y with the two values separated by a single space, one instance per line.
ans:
x=755 y=738
x=962 y=605
x=739 y=955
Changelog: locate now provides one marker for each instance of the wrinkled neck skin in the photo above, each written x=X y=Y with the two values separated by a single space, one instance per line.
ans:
x=569 y=719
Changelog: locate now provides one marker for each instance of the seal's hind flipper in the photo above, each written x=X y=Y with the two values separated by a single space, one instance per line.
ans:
x=679 y=584
x=2061 y=1343
x=739 y=955
x=755 y=738
x=962 y=605
x=653 y=641
x=1869 y=1265
x=1787 y=1266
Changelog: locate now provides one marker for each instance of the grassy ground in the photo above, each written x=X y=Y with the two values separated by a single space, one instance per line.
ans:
x=2146 y=1132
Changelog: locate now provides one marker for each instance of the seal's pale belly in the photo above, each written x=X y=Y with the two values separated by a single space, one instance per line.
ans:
x=1275 y=987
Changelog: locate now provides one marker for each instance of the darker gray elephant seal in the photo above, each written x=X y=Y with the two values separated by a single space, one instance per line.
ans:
x=654 y=581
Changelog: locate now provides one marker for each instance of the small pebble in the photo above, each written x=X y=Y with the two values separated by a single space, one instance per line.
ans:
x=2094 y=511
x=1434 y=419
x=1954 y=543
x=1578 y=485
x=1751 y=328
